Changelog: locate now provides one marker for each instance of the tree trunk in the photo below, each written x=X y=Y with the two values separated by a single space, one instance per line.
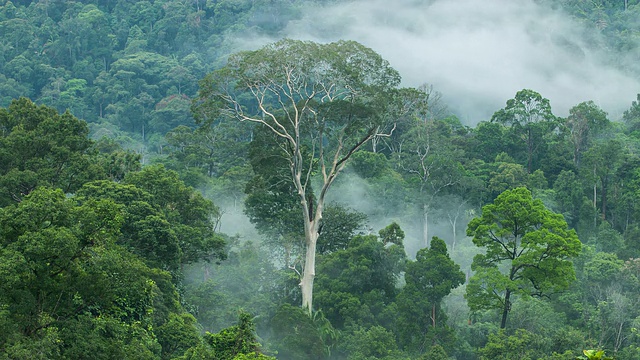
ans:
x=433 y=315
x=505 y=310
x=453 y=223
x=453 y=244
x=312 y=215
x=309 y=273
x=425 y=225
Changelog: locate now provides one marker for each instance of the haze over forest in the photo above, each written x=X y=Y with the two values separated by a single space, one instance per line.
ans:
x=320 y=179
x=477 y=54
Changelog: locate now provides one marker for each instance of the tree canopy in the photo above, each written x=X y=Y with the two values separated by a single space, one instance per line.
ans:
x=528 y=252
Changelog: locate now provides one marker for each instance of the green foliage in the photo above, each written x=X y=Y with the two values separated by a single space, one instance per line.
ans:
x=79 y=292
x=339 y=225
x=373 y=343
x=510 y=347
x=355 y=284
x=39 y=147
x=177 y=334
x=594 y=355
x=295 y=336
x=428 y=280
x=584 y=122
x=392 y=234
x=186 y=209
x=165 y=222
x=436 y=352
x=528 y=252
x=237 y=340
x=369 y=165
x=530 y=119
x=85 y=238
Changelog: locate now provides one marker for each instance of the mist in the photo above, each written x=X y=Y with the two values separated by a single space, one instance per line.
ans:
x=478 y=54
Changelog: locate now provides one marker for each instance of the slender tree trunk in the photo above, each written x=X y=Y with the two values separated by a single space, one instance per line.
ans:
x=505 y=310
x=453 y=244
x=425 y=225
x=619 y=338
x=433 y=315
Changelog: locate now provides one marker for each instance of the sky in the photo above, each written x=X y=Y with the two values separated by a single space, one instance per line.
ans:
x=478 y=54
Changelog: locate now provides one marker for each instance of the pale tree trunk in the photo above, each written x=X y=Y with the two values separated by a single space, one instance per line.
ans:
x=309 y=271
x=312 y=214
x=425 y=225
x=453 y=227
x=453 y=221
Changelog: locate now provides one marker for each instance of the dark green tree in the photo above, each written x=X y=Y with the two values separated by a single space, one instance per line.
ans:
x=429 y=279
x=373 y=343
x=165 y=222
x=530 y=119
x=436 y=352
x=297 y=336
x=502 y=346
x=69 y=289
x=357 y=283
x=193 y=218
x=237 y=340
x=39 y=147
x=600 y=163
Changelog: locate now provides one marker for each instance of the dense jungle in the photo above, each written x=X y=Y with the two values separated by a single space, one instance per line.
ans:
x=320 y=179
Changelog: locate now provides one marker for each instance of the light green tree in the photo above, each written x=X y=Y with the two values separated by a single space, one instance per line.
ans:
x=528 y=252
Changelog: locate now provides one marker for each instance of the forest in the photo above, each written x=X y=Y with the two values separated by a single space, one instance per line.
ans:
x=273 y=179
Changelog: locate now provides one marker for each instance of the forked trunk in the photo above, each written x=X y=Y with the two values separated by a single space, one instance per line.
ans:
x=312 y=216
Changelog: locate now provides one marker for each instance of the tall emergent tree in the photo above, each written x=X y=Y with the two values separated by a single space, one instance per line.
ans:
x=321 y=102
x=528 y=251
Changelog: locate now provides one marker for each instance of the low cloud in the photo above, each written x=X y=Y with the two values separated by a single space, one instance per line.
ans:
x=478 y=54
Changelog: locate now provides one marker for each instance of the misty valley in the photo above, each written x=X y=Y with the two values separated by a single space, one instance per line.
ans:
x=320 y=179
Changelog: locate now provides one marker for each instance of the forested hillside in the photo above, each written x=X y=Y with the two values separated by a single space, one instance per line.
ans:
x=182 y=180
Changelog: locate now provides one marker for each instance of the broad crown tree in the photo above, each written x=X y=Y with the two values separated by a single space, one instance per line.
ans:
x=321 y=101
x=528 y=252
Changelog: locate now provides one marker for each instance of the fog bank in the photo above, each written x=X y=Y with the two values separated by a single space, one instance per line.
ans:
x=478 y=54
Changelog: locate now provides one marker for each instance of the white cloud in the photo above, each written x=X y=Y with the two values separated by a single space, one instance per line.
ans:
x=478 y=53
